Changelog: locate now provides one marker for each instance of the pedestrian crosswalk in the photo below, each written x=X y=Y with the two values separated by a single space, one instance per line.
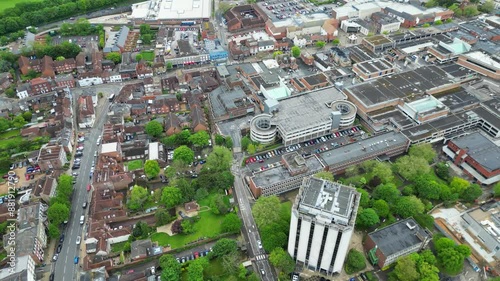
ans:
x=260 y=257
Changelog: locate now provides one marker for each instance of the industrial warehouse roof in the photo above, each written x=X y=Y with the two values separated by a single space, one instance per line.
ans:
x=172 y=9
x=400 y=85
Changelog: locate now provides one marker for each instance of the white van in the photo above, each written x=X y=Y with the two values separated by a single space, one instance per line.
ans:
x=82 y=219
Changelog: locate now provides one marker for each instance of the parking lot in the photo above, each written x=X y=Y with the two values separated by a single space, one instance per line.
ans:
x=279 y=10
x=267 y=160
x=89 y=41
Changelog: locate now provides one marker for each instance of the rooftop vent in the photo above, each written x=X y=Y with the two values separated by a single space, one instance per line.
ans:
x=411 y=225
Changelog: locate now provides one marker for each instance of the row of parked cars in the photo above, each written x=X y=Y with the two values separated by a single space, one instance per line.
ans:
x=194 y=256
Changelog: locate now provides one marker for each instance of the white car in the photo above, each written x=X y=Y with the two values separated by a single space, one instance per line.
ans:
x=78 y=240
x=153 y=270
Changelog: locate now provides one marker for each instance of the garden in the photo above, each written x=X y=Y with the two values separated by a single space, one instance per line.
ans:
x=134 y=165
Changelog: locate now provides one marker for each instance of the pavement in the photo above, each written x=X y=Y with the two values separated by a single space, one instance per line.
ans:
x=65 y=268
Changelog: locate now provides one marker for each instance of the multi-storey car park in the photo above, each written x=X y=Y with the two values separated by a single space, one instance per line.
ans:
x=304 y=117
x=322 y=224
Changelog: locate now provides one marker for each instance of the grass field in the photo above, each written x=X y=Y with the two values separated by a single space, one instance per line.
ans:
x=8 y=138
x=4 y=4
x=9 y=134
x=148 y=55
x=134 y=165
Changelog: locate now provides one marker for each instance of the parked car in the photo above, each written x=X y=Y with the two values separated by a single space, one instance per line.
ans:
x=84 y=205
x=78 y=240
x=54 y=258
x=61 y=239
x=51 y=278
x=76 y=260
x=59 y=248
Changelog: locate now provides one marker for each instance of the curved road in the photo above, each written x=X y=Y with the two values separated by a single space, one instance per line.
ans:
x=65 y=269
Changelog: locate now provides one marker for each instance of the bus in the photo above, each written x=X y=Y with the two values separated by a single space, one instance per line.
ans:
x=112 y=97
x=187 y=23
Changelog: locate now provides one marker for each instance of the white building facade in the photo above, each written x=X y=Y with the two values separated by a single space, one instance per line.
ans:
x=322 y=225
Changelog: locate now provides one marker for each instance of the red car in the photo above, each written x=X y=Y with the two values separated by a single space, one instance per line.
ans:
x=196 y=255
x=89 y=187
x=247 y=161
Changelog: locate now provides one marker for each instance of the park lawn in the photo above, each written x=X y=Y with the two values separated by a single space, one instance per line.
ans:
x=134 y=165
x=209 y=225
x=4 y=4
x=118 y=247
x=9 y=134
x=7 y=143
x=148 y=55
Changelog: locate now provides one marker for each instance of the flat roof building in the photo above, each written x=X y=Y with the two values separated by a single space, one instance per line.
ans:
x=322 y=223
x=383 y=145
x=481 y=62
x=171 y=11
x=372 y=69
x=385 y=246
x=285 y=175
x=478 y=157
x=303 y=117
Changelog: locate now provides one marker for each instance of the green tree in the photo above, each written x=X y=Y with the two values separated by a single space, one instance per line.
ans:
x=220 y=140
x=264 y=210
x=383 y=171
x=324 y=175
x=458 y=185
x=219 y=159
x=245 y=141
x=224 y=7
x=115 y=57
x=410 y=166
x=152 y=169
x=487 y=7
x=367 y=218
x=195 y=272
x=251 y=149
x=295 y=51
x=320 y=44
x=163 y=217
x=472 y=192
x=57 y=213
x=447 y=195
x=10 y=93
x=355 y=261
x=438 y=22
x=336 y=42
x=242 y=272
x=171 y=196
x=431 y=3
x=277 y=53
x=407 y=206
x=217 y=205
x=171 y=268
x=231 y=223
x=470 y=11
x=229 y=142
x=364 y=201
x=4 y=124
x=27 y=116
x=442 y=170
x=496 y=189
x=18 y=122
x=188 y=226
x=199 y=139
x=145 y=29
x=138 y=196
x=138 y=57
x=184 y=154
x=425 y=220
x=352 y=171
x=381 y=208
x=405 y=269
x=154 y=128
x=426 y=187
x=282 y=260
x=388 y=192
x=169 y=65
x=146 y=39
x=54 y=232
x=424 y=151
x=230 y=263
x=224 y=246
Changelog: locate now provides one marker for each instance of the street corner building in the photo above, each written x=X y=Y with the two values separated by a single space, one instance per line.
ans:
x=322 y=224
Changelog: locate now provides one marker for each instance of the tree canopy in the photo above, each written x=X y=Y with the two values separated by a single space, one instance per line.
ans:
x=152 y=169
x=199 y=139
x=58 y=213
x=138 y=196
x=219 y=159
x=411 y=166
x=223 y=247
x=407 y=206
x=423 y=151
x=355 y=261
x=324 y=175
x=264 y=210
x=231 y=223
x=387 y=192
x=381 y=208
x=295 y=51
x=171 y=196
x=171 y=268
x=184 y=154
x=367 y=218
x=451 y=256
x=282 y=260
x=154 y=128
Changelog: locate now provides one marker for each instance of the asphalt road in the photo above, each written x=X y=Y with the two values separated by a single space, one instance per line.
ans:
x=243 y=196
x=65 y=268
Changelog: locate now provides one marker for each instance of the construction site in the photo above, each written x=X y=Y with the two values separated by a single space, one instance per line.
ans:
x=478 y=228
